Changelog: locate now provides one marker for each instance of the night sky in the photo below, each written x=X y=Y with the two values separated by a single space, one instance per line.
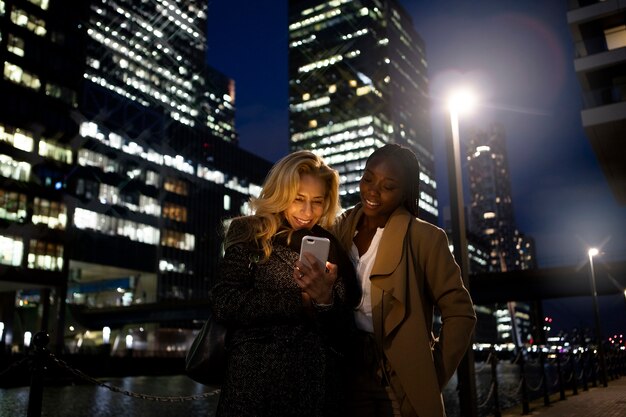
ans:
x=518 y=57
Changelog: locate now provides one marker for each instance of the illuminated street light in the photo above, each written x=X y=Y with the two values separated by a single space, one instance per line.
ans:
x=461 y=101
x=594 y=295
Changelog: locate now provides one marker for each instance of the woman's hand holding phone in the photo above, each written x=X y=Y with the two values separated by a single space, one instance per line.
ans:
x=313 y=273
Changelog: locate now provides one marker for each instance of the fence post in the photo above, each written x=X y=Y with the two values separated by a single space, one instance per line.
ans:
x=522 y=366
x=38 y=365
x=560 y=374
x=585 y=360
x=546 y=388
x=594 y=374
x=572 y=360
x=494 y=379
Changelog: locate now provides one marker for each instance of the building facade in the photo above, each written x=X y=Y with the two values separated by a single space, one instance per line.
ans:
x=491 y=207
x=153 y=53
x=599 y=35
x=492 y=221
x=113 y=197
x=358 y=80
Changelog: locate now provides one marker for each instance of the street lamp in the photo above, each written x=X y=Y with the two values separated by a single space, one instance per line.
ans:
x=458 y=102
x=461 y=101
x=594 y=295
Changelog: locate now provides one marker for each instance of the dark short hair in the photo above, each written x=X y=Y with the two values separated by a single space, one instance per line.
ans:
x=410 y=167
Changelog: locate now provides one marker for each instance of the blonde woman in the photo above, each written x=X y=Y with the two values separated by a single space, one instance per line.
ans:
x=288 y=321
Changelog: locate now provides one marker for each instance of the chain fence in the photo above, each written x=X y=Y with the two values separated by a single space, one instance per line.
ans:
x=524 y=373
x=132 y=394
x=48 y=357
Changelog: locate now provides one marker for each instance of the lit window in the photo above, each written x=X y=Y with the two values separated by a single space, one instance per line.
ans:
x=64 y=94
x=175 y=212
x=176 y=186
x=51 y=213
x=489 y=215
x=11 y=250
x=41 y=3
x=149 y=205
x=615 y=37
x=173 y=266
x=94 y=159
x=17 y=75
x=30 y=22
x=21 y=139
x=179 y=240
x=152 y=178
x=57 y=152
x=12 y=206
x=361 y=91
x=45 y=255
x=15 y=45
x=85 y=219
x=17 y=170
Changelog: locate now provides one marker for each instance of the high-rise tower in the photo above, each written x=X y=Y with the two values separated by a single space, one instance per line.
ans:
x=493 y=221
x=357 y=80
x=118 y=166
x=491 y=211
x=152 y=52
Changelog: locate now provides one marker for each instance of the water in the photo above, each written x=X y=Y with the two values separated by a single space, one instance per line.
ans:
x=95 y=401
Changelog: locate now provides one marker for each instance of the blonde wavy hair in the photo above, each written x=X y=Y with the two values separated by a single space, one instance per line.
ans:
x=280 y=190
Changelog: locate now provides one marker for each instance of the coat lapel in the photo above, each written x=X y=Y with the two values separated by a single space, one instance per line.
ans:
x=389 y=275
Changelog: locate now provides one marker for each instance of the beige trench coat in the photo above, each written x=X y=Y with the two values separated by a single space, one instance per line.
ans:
x=414 y=271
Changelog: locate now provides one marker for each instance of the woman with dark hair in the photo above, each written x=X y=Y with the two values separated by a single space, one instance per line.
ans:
x=287 y=320
x=406 y=270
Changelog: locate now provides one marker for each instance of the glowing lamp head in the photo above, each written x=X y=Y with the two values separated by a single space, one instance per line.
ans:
x=593 y=252
x=461 y=101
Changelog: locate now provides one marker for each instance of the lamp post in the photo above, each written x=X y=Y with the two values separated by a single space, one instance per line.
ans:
x=458 y=102
x=596 y=313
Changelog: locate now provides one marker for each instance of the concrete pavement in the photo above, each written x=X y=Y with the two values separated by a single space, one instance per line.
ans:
x=597 y=402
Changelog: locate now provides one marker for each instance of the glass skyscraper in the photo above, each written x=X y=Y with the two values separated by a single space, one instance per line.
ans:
x=153 y=52
x=118 y=167
x=493 y=221
x=358 y=80
x=491 y=210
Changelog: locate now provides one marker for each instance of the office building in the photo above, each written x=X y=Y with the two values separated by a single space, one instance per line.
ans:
x=599 y=35
x=115 y=181
x=492 y=220
x=491 y=208
x=358 y=80
x=153 y=52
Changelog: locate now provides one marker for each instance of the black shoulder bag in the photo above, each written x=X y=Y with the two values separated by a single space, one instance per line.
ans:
x=206 y=359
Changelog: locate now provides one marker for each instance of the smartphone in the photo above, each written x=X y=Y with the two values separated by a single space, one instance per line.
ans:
x=318 y=246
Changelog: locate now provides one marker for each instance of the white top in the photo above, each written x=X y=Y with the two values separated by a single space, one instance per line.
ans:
x=363 y=266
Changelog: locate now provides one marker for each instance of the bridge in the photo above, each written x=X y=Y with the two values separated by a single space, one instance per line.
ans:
x=487 y=288
x=541 y=284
